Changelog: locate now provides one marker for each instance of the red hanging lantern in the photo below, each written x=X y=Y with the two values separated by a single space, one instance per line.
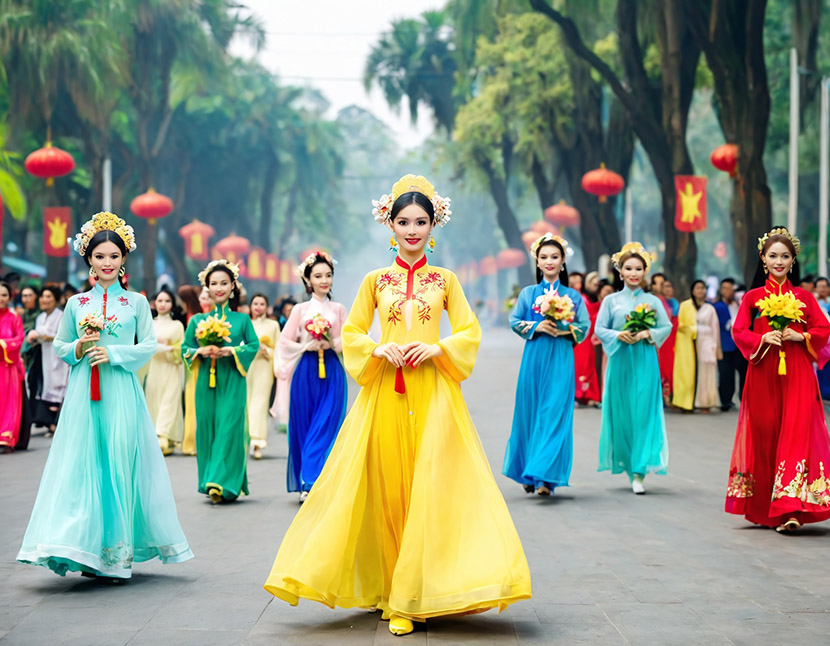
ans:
x=488 y=266
x=562 y=214
x=49 y=162
x=602 y=183
x=540 y=227
x=256 y=263
x=511 y=258
x=196 y=235
x=529 y=237
x=151 y=205
x=232 y=248
x=725 y=158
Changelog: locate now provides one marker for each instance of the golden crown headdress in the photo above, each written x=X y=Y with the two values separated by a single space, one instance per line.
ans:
x=382 y=210
x=310 y=259
x=548 y=237
x=633 y=247
x=213 y=264
x=780 y=231
x=104 y=221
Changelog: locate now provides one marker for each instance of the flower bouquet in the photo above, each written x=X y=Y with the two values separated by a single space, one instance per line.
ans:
x=642 y=317
x=212 y=331
x=318 y=327
x=95 y=322
x=781 y=310
x=558 y=308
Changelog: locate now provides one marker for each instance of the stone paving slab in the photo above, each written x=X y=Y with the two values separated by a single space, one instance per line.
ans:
x=608 y=567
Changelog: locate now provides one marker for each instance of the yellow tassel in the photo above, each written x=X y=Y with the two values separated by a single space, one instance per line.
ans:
x=782 y=363
x=212 y=380
x=321 y=365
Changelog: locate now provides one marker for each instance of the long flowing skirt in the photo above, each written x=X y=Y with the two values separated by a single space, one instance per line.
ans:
x=105 y=499
x=587 y=381
x=318 y=407
x=633 y=436
x=540 y=448
x=11 y=408
x=406 y=515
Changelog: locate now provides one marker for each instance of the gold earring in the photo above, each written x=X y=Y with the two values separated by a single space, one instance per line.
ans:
x=393 y=244
x=766 y=271
x=92 y=273
x=431 y=244
x=122 y=272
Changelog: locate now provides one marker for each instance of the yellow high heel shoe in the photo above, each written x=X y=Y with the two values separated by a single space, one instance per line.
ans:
x=399 y=625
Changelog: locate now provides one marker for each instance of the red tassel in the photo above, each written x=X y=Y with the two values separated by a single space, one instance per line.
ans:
x=95 y=385
x=400 y=384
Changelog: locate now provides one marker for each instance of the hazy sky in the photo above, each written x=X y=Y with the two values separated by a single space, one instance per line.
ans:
x=325 y=44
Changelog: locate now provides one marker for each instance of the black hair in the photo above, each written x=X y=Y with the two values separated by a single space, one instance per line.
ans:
x=233 y=301
x=760 y=278
x=319 y=258
x=808 y=279
x=657 y=275
x=8 y=287
x=54 y=290
x=729 y=280
x=69 y=288
x=32 y=287
x=413 y=197
x=822 y=278
x=260 y=295
x=692 y=291
x=176 y=312
x=106 y=236
x=563 y=273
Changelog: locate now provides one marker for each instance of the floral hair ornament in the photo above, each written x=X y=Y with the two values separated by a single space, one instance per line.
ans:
x=548 y=237
x=382 y=210
x=104 y=221
x=781 y=231
x=213 y=264
x=311 y=259
x=635 y=248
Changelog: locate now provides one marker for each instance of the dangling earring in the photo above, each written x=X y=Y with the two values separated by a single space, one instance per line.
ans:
x=92 y=273
x=766 y=271
x=122 y=272
x=233 y=293
x=393 y=244
x=431 y=244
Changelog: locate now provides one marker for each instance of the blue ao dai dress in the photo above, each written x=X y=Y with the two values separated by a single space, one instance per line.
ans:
x=540 y=448
x=105 y=499
x=633 y=437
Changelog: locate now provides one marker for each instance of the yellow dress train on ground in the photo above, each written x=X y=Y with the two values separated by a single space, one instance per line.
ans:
x=406 y=515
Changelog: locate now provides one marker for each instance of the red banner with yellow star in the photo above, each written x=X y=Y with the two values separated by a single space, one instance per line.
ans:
x=690 y=194
x=56 y=223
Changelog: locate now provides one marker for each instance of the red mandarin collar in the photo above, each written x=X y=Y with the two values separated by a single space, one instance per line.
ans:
x=415 y=267
x=773 y=287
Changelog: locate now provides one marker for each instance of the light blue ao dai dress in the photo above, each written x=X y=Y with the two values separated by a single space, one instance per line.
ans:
x=105 y=499
x=633 y=436
x=540 y=448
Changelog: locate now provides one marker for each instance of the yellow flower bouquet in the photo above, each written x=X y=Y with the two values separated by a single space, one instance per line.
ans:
x=212 y=331
x=781 y=310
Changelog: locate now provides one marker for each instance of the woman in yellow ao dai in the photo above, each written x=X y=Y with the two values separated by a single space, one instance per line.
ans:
x=261 y=374
x=164 y=382
x=406 y=515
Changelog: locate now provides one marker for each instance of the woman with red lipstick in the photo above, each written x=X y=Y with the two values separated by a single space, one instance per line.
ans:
x=221 y=387
x=318 y=397
x=406 y=516
x=782 y=447
x=633 y=435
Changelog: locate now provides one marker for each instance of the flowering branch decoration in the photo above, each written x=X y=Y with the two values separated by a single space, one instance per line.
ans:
x=311 y=259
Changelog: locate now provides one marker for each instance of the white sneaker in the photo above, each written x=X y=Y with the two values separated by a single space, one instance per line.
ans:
x=637 y=485
x=303 y=496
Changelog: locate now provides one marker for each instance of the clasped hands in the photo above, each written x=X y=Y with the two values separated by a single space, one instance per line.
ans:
x=776 y=337
x=315 y=345
x=97 y=354
x=412 y=354
x=214 y=351
x=629 y=337
x=546 y=326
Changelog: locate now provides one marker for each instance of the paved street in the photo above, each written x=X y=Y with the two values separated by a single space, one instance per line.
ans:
x=608 y=567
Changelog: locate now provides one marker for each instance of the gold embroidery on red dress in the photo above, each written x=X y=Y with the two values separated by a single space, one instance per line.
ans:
x=741 y=485
x=816 y=492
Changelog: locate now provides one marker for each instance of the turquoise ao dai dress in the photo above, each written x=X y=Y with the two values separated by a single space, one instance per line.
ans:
x=633 y=436
x=105 y=499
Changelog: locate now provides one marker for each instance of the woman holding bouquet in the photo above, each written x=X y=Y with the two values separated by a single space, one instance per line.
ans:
x=631 y=325
x=552 y=318
x=782 y=447
x=309 y=363
x=105 y=500
x=219 y=346
x=406 y=516
x=696 y=354
x=261 y=373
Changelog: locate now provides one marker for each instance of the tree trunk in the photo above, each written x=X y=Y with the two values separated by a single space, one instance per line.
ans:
x=266 y=203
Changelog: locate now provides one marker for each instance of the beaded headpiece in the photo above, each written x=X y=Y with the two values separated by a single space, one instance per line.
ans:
x=548 y=237
x=633 y=247
x=781 y=231
x=104 y=221
x=382 y=210
x=213 y=264
x=311 y=259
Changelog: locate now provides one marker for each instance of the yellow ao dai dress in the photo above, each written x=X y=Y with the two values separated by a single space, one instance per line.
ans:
x=164 y=382
x=261 y=379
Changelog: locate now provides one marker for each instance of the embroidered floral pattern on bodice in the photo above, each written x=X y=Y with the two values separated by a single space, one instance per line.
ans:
x=123 y=300
x=425 y=282
x=83 y=300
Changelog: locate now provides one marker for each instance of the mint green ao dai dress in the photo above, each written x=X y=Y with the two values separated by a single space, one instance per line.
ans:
x=633 y=435
x=105 y=499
